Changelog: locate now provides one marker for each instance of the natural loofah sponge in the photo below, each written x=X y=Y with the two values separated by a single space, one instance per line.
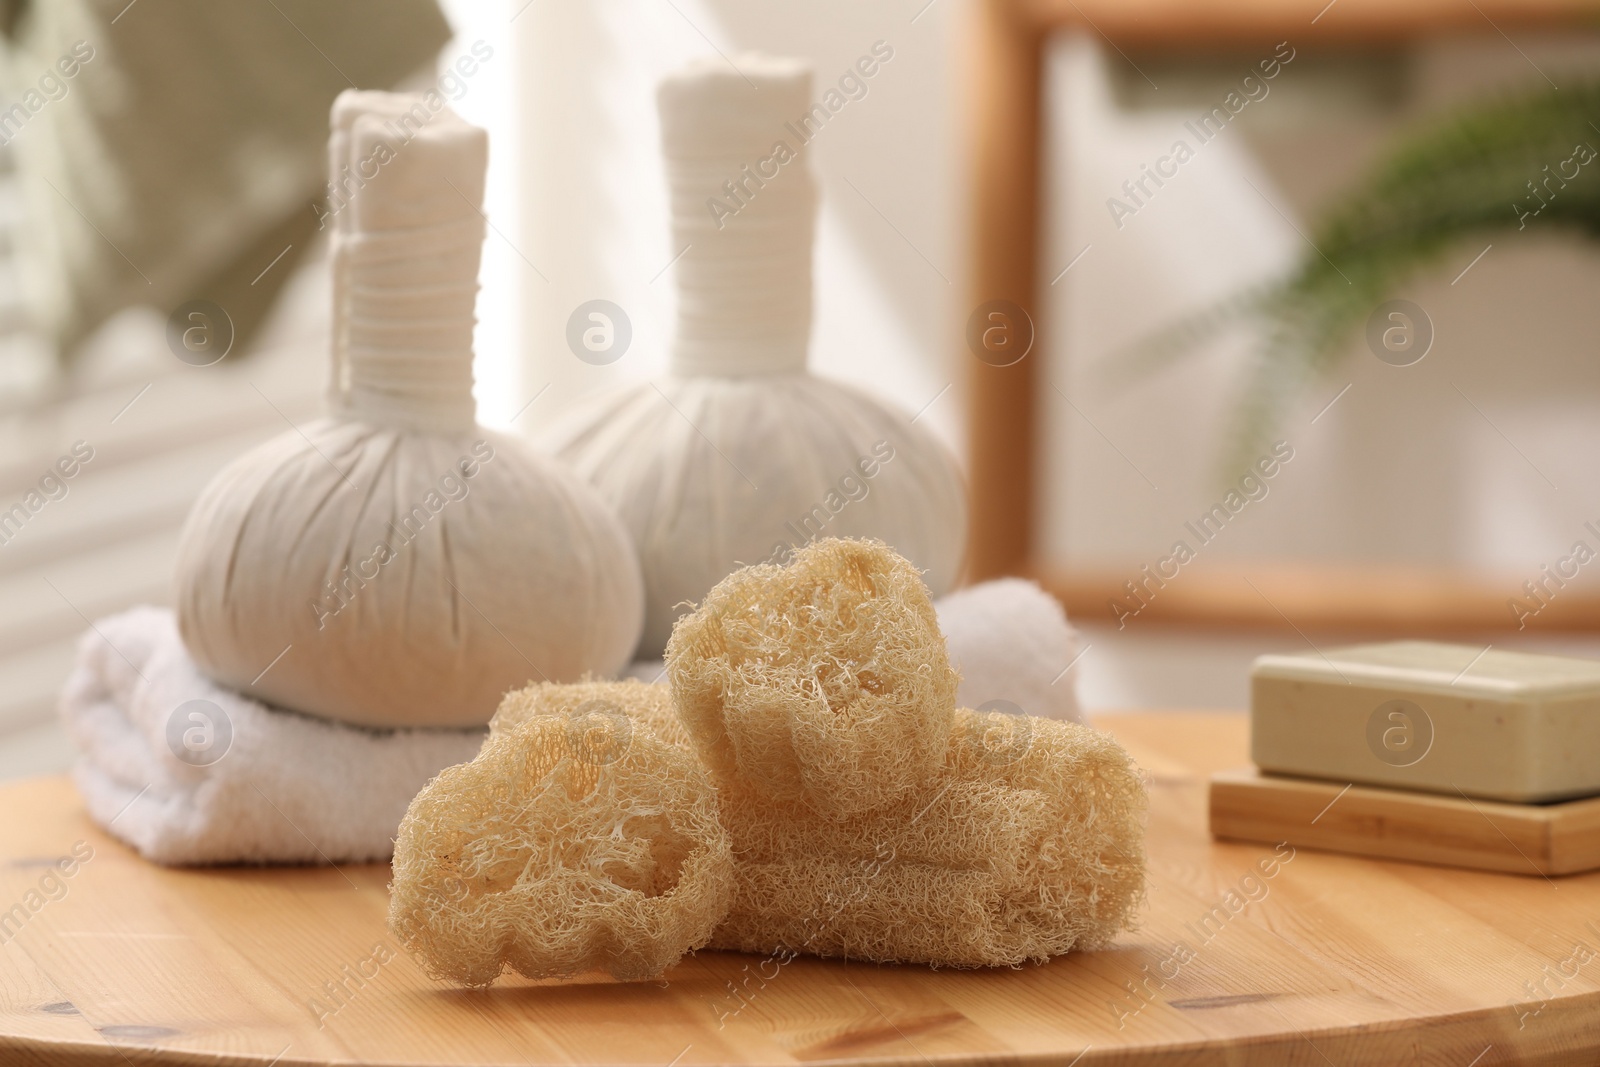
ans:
x=1026 y=844
x=856 y=812
x=824 y=682
x=601 y=715
x=577 y=840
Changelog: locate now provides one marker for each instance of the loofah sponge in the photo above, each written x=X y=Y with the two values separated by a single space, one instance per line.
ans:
x=869 y=817
x=824 y=682
x=578 y=840
x=1026 y=844
x=861 y=813
x=601 y=715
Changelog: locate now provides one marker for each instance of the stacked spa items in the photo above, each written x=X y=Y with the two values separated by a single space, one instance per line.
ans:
x=750 y=456
x=355 y=597
x=805 y=784
x=392 y=567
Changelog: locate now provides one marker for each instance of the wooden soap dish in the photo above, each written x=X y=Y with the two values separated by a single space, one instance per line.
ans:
x=1488 y=835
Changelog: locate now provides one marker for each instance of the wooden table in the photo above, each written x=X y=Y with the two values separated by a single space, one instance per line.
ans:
x=1337 y=960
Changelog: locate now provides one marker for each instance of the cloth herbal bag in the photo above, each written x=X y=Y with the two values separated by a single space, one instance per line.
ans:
x=394 y=564
x=740 y=456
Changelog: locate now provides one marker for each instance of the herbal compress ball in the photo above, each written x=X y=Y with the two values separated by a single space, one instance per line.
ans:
x=740 y=456
x=394 y=564
x=578 y=840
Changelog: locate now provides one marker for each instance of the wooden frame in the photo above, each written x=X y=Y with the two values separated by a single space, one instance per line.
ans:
x=1005 y=48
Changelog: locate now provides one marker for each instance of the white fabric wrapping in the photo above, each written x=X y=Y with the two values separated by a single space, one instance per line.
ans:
x=740 y=456
x=744 y=282
x=1011 y=641
x=396 y=565
x=288 y=788
x=409 y=252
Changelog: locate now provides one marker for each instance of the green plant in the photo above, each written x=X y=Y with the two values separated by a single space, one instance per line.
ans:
x=1522 y=162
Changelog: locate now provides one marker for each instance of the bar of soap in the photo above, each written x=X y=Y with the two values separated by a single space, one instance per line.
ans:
x=1422 y=715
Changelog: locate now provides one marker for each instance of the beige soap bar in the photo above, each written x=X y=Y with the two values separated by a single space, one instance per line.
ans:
x=1421 y=715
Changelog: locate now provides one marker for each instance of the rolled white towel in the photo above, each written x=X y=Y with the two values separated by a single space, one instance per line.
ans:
x=189 y=773
x=1010 y=640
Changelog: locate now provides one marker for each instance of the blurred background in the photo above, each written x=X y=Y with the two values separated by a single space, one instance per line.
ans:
x=1419 y=498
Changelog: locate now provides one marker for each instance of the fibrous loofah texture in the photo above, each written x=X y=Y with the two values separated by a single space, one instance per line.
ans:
x=577 y=840
x=1026 y=844
x=869 y=817
x=824 y=683
x=602 y=713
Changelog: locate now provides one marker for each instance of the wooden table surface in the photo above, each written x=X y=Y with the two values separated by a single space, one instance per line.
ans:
x=1330 y=960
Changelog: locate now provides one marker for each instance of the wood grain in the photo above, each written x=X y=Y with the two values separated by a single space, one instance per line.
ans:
x=1330 y=959
x=1374 y=601
x=1003 y=140
x=1193 y=24
x=1530 y=839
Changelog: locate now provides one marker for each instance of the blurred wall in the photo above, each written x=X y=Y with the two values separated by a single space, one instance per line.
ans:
x=1478 y=456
